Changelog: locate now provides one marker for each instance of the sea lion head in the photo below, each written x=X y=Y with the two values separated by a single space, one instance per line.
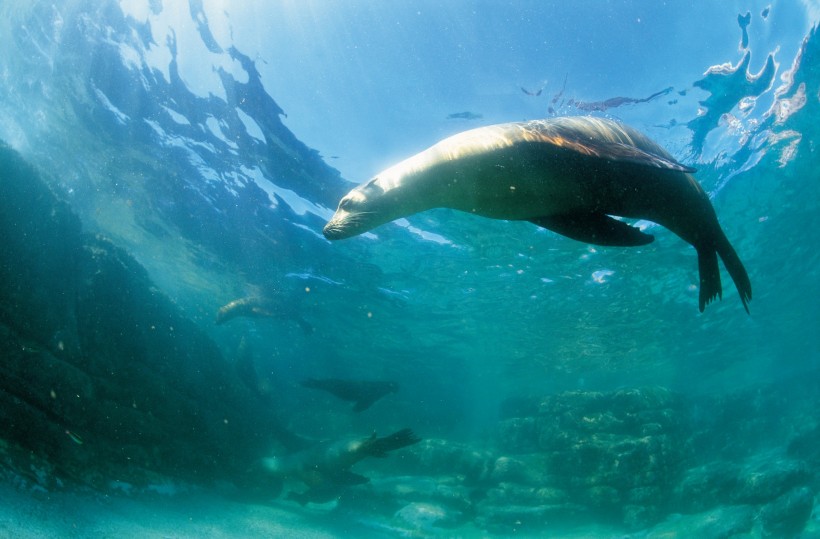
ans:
x=394 y=193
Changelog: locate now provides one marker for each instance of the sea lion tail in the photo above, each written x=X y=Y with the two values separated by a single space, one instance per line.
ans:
x=379 y=447
x=710 y=286
x=736 y=270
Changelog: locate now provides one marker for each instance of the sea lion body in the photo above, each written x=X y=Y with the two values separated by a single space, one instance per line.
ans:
x=261 y=307
x=569 y=175
x=363 y=393
x=325 y=467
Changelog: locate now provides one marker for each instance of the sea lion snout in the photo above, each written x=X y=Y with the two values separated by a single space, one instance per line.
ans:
x=335 y=229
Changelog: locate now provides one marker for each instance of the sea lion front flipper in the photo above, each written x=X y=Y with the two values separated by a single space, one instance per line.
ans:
x=594 y=228
x=364 y=403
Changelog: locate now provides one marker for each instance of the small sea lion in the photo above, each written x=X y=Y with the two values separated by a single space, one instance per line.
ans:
x=570 y=175
x=362 y=392
x=260 y=307
x=325 y=467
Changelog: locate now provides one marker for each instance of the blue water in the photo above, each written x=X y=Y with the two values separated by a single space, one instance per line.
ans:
x=212 y=142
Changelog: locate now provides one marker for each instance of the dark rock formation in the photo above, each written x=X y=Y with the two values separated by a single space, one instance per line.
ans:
x=616 y=452
x=787 y=515
x=102 y=375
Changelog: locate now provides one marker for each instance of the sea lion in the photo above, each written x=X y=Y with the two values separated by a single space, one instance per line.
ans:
x=567 y=174
x=325 y=467
x=261 y=307
x=362 y=392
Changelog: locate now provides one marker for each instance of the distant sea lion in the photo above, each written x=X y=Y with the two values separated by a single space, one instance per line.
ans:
x=260 y=307
x=325 y=468
x=362 y=392
x=568 y=174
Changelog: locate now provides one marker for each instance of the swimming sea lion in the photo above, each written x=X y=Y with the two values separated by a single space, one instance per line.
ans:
x=569 y=175
x=362 y=392
x=325 y=468
x=260 y=307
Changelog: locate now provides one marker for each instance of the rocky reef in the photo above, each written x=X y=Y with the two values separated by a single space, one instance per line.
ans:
x=102 y=375
x=632 y=460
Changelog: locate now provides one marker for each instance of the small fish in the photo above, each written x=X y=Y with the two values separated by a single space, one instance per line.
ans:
x=533 y=93
x=466 y=115
x=74 y=437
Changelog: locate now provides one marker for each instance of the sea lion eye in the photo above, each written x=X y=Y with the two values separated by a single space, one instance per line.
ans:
x=344 y=204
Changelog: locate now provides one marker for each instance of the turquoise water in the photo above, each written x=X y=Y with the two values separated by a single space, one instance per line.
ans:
x=211 y=142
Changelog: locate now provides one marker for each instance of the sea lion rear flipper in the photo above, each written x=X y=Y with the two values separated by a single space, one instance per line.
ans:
x=594 y=228
x=709 y=275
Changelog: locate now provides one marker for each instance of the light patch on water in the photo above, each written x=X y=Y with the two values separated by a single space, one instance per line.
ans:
x=131 y=57
x=177 y=117
x=251 y=126
x=299 y=205
x=600 y=276
x=215 y=127
x=305 y=227
x=427 y=236
x=198 y=67
x=403 y=294
x=120 y=116
x=307 y=276
x=173 y=141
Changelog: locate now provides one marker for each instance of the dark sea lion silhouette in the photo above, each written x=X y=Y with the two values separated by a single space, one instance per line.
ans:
x=570 y=175
x=361 y=392
x=325 y=467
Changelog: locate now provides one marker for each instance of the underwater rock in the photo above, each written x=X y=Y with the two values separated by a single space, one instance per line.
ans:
x=440 y=457
x=103 y=375
x=722 y=523
x=524 y=469
x=506 y=519
x=806 y=446
x=515 y=494
x=766 y=478
x=424 y=518
x=518 y=435
x=619 y=452
x=518 y=407
x=447 y=492
x=788 y=514
x=704 y=487
x=41 y=247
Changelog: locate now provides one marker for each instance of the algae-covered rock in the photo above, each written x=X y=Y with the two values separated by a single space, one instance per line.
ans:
x=433 y=456
x=619 y=452
x=787 y=515
x=507 y=519
x=721 y=523
x=707 y=486
x=767 y=477
x=102 y=374
x=528 y=469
